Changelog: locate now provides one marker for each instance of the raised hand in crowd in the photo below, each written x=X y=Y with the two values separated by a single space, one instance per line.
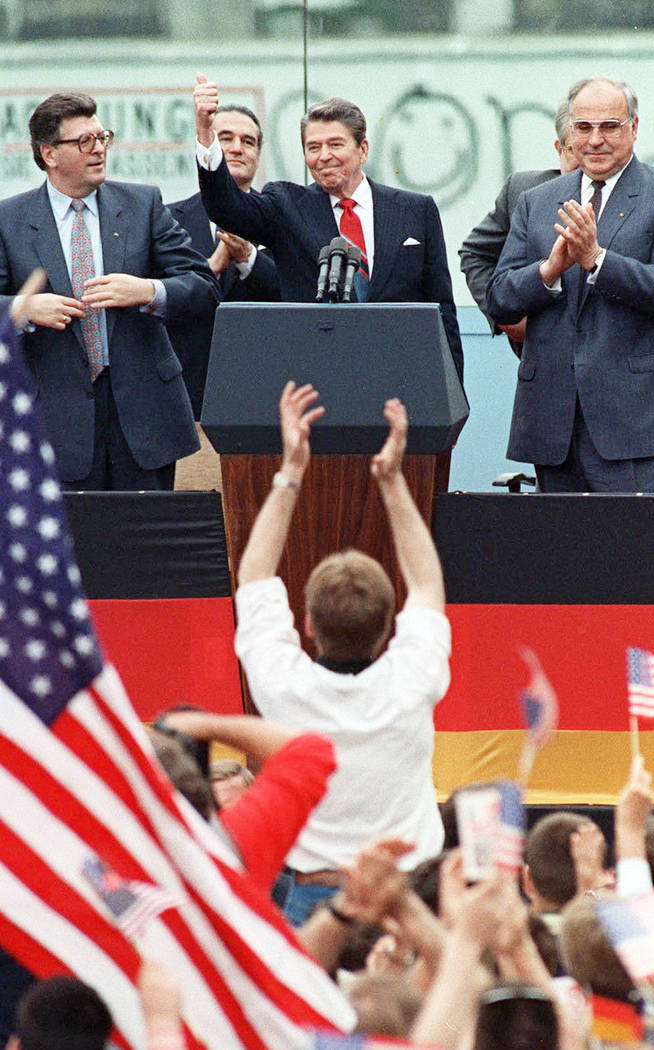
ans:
x=588 y=850
x=372 y=888
x=632 y=813
x=297 y=412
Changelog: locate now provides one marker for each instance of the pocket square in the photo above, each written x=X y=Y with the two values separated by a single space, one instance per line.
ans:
x=410 y=240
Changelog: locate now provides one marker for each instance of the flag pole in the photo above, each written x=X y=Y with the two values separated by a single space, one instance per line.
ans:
x=633 y=734
x=526 y=762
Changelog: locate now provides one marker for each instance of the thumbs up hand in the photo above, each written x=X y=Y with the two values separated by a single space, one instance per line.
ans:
x=205 y=98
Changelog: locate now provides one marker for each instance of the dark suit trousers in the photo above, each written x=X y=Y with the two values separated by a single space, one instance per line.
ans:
x=114 y=467
x=584 y=470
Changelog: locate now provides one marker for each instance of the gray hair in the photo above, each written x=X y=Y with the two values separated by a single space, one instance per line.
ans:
x=628 y=92
x=561 y=121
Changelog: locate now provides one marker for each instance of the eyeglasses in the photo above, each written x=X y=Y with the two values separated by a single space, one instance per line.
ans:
x=86 y=143
x=609 y=129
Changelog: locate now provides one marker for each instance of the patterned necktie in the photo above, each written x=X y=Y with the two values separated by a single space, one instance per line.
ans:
x=596 y=200
x=81 y=269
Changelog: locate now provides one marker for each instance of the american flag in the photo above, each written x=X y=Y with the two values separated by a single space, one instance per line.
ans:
x=539 y=703
x=510 y=840
x=131 y=903
x=79 y=786
x=491 y=824
x=640 y=682
x=629 y=925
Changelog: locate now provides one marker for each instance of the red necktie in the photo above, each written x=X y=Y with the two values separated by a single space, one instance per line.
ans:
x=352 y=230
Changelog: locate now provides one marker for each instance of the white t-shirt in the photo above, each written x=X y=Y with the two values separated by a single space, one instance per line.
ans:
x=380 y=721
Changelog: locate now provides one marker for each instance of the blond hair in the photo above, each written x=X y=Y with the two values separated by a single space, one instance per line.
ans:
x=351 y=602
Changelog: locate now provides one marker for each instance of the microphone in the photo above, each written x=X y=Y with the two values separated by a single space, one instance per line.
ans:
x=323 y=266
x=337 y=256
x=353 y=260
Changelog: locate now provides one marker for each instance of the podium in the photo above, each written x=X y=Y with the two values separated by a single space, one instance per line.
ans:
x=357 y=356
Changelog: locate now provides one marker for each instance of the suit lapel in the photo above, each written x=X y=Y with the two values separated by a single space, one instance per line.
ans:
x=50 y=253
x=620 y=204
x=113 y=232
x=388 y=226
x=617 y=210
x=47 y=243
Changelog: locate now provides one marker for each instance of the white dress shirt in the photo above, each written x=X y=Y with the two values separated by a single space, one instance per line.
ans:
x=362 y=198
x=211 y=157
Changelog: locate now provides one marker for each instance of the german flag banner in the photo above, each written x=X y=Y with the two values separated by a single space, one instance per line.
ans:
x=154 y=568
x=572 y=579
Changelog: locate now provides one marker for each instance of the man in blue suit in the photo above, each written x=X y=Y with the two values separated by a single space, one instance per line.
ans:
x=579 y=263
x=110 y=386
x=403 y=237
x=244 y=272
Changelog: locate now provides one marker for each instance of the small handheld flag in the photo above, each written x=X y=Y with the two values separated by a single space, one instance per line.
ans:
x=541 y=710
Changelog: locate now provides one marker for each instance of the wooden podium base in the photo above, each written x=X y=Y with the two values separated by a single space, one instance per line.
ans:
x=338 y=507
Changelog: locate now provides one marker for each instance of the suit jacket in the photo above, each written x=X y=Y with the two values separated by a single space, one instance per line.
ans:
x=295 y=222
x=594 y=341
x=482 y=247
x=139 y=237
x=192 y=342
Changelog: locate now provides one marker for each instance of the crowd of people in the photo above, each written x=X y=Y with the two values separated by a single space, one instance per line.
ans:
x=340 y=825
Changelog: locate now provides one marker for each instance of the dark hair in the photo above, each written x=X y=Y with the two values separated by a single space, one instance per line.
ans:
x=46 y=119
x=425 y=880
x=545 y=941
x=62 y=1013
x=197 y=749
x=182 y=770
x=516 y=1017
x=548 y=854
x=228 y=108
x=359 y=942
x=336 y=109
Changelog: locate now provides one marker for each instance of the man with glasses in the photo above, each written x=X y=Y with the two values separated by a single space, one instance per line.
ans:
x=579 y=264
x=118 y=265
x=482 y=248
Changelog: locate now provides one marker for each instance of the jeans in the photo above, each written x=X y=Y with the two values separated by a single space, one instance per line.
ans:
x=297 y=901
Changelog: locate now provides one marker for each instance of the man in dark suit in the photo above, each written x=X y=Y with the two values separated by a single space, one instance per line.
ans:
x=244 y=272
x=115 y=406
x=401 y=231
x=579 y=263
x=482 y=247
